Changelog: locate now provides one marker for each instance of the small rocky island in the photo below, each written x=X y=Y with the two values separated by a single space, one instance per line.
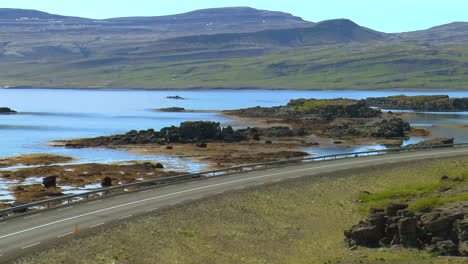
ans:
x=336 y=118
x=7 y=110
x=176 y=97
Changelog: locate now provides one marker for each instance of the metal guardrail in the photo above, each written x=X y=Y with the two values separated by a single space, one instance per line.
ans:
x=226 y=171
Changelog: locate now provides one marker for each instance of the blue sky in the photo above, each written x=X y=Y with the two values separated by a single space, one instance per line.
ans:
x=382 y=15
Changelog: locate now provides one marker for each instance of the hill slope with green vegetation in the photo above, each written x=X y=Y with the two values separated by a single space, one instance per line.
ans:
x=350 y=66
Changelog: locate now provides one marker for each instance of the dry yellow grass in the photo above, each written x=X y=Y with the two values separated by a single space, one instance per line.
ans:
x=295 y=222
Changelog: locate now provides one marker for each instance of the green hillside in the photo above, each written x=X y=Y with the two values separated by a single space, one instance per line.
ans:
x=376 y=65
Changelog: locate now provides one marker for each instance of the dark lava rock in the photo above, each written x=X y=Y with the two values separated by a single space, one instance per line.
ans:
x=393 y=208
x=420 y=102
x=408 y=232
x=256 y=137
x=444 y=188
x=169 y=147
x=202 y=145
x=444 y=230
x=50 y=181
x=268 y=142
x=433 y=142
x=159 y=166
x=106 y=182
x=447 y=248
x=175 y=97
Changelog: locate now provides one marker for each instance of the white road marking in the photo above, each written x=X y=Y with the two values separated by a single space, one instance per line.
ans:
x=64 y=235
x=196 y=198
x=31 y=245
x=150 y=210
x=145 y=191
x=218 y=193
x=31 y=216
x=215 y=185
x=97 y=225
x=174 y=203
x=123 y=217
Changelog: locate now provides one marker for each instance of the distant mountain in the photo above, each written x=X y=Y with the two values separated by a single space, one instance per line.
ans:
x=453 y=33
x=229 y=19
x=26 y=14
x=337 y=31
x=225 y=47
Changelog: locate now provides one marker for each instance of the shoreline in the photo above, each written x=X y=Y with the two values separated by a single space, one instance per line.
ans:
x=181 y=89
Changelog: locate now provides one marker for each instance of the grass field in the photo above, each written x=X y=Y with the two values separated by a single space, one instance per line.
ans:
x=354 y=66
x=295 y=222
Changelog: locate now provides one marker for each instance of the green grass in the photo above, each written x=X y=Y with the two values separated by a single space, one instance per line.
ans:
x=370 y=66
x=434 y=202
x=294 y=222
x=411 y=193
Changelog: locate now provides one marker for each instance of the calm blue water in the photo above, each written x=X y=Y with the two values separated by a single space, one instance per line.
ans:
x=62 y=114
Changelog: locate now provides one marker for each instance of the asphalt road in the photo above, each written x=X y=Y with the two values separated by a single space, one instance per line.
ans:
x=23 y=235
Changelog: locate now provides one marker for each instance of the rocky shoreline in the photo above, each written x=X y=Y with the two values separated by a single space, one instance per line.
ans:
x=433 y=103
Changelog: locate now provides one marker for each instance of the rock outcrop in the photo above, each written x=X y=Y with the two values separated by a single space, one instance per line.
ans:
x=442 y=230
x=50 y=181
x=324 y=109
x=433 y=142
x=196 y=132
x=387 y=128
x=435 y=103
x=106 y=182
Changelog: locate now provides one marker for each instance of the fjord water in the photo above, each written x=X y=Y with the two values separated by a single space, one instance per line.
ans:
x=47 y=114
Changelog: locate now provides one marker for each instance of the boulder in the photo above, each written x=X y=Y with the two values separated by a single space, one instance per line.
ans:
x=408 y=232
x=159 y=166
x=106 y=182
x=393 y=208
x=463 y=248
x=369 y=232
x=461 y=228
x=364 y=235
x=447 y=248
x=50 y=181
x=202 y=145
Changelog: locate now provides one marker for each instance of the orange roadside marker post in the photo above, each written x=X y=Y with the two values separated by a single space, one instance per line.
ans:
x=75 y=233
